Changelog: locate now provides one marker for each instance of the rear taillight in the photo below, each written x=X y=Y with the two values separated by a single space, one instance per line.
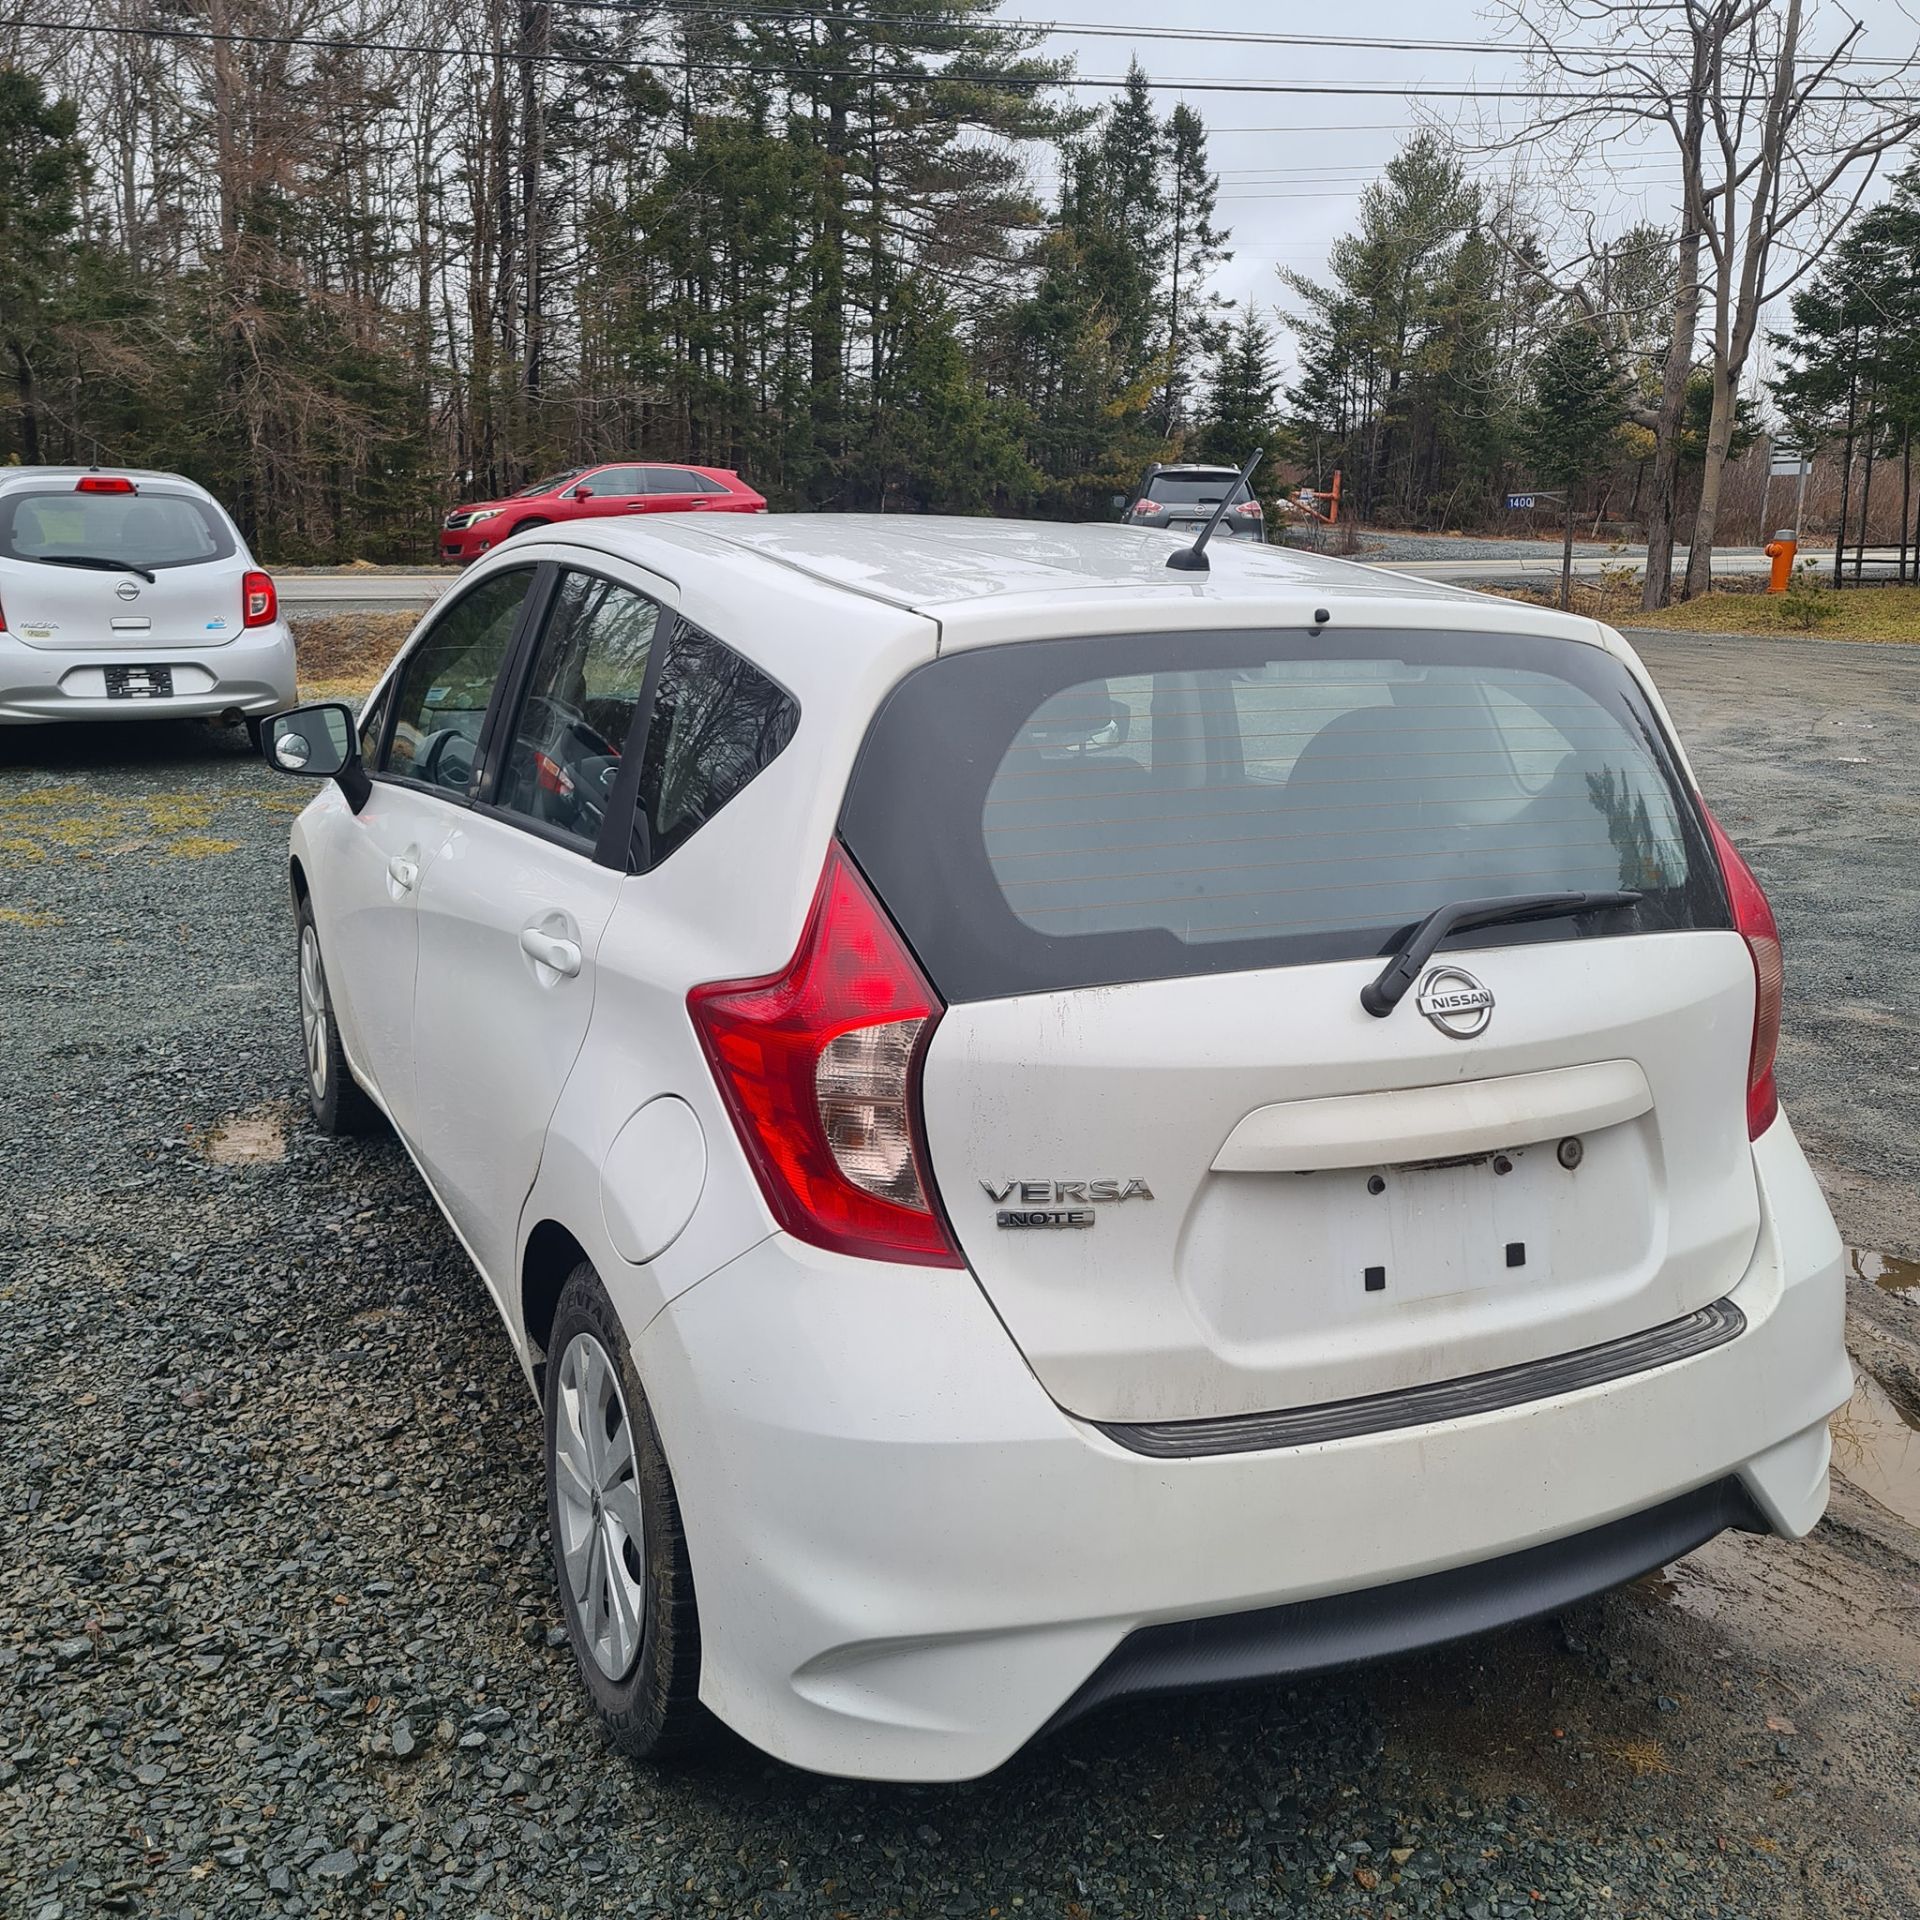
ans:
x=1248 y=509
x=1753 y=917
x=819 y=1065
x=258 y=602
x=1147 y=508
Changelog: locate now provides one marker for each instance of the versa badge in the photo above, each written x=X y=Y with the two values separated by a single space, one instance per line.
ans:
x=1042 y=1201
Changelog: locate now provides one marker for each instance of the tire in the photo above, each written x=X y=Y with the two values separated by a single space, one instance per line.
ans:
x=340 y=1105
x=256 y=736
x=527 y=526
x=639 y=1662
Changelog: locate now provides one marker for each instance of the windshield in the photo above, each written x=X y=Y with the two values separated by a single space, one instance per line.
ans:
x=1147 y=808
x=1195 y=489
x=144 y=530
x=552 y=481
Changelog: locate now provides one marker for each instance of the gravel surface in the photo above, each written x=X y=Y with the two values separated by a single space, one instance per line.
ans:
x=280 y=1636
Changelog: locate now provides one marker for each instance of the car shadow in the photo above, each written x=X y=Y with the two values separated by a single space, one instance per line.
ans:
x=101 y=746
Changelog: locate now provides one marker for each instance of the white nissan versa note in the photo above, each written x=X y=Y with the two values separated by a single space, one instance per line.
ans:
x=1049 y=1128
x=131 y=596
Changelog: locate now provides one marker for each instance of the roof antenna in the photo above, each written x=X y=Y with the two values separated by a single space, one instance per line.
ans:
x=1193 y=559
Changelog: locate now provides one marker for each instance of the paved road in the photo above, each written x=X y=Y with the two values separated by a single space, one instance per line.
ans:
x=277 y=1625
x=378 y=588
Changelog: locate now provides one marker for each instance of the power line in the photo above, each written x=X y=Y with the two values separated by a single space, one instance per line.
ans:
x=1101 y=83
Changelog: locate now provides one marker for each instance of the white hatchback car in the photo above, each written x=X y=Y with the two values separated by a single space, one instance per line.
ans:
x=1047 y=1128
x=131 y=596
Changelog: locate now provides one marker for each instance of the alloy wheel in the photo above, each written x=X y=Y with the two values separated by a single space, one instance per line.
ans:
x=597 y=1489
x=313 y=1010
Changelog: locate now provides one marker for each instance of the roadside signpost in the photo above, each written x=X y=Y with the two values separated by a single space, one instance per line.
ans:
x=1787 y=462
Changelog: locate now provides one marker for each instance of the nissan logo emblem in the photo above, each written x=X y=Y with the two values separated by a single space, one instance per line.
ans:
x=128 y=590
x=1455 y=1002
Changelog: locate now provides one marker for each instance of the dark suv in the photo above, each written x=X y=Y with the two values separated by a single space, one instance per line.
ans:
x=1182 y=500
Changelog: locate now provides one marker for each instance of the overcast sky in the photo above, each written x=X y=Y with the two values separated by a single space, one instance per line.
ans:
x=1292 y=166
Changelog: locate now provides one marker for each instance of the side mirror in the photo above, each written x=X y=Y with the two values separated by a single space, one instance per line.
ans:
x=583 y=493
x=319 y=743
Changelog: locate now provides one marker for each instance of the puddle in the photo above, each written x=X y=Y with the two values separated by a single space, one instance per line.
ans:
x=1878 y=1449
x=248 y=1139
x=1897 y=1276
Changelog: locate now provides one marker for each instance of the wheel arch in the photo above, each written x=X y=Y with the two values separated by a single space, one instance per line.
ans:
x=550 y=1255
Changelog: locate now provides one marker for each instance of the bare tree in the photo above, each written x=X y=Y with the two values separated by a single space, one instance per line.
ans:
x=1779 y=121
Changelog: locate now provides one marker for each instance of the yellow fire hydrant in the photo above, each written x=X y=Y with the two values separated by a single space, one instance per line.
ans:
x=1780 y=550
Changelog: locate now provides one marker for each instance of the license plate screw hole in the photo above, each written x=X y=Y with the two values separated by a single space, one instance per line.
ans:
x=1570 y=1152
x=1376 y=1183
x=1501 y=1163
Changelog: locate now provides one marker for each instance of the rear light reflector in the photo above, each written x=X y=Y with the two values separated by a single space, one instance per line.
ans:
x=104 y=483
x=819 y=1066
x=259 y=604
x=1753 y=917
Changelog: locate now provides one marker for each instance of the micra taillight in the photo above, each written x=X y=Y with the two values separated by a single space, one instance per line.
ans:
x=259 y=604
x=819 y=1066
x=1753 y=919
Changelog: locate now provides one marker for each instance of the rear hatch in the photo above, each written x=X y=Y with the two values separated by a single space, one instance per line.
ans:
x=1185 y=502
x=126 y=571
x=1150 y=877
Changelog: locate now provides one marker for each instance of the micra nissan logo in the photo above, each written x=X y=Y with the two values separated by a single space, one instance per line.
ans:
x=1059 y=1203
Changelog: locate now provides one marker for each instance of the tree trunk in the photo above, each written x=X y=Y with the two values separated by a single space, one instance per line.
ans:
x=1846 y=478
x=1566 y=556
x=1866 y=486
x=29 y=411
x=1713 y=473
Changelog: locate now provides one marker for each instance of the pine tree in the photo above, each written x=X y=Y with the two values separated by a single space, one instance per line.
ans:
x=42 y=169
x=1568 y=432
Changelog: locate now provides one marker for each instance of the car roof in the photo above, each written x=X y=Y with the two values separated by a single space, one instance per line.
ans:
x=985 y=581
x=16 y=476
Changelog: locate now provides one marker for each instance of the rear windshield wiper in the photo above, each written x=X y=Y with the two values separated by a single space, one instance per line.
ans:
x=1379 y=997
x=91 y=560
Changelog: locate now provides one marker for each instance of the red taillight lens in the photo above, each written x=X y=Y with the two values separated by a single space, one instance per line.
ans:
x=1754 y=919
x=104 y=483
x=258 y=601
x=1146 y=508
x=1250 y=508
x=819 y=1065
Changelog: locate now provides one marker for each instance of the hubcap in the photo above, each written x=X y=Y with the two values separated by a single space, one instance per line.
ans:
x=596 y=1478
x=313 y=1010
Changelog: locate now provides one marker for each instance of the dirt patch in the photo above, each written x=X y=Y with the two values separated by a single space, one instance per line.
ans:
x=341 y=655
x=249 y=1139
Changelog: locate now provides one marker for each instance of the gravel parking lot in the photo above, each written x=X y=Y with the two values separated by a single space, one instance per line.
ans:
x=279 y=1636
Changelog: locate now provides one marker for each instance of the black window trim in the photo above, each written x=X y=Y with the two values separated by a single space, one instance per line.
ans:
x=537 y=590
x=613 y=847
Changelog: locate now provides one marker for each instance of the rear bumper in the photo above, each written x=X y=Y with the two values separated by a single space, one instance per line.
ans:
x=909 y=1560
x=253 y=674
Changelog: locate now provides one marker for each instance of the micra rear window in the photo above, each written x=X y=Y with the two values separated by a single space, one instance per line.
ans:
x=1078 y=813
x=144 y=529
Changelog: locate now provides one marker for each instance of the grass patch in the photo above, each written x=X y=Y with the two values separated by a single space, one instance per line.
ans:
x=341 y=655
x=82 y=823
x=1887 y=614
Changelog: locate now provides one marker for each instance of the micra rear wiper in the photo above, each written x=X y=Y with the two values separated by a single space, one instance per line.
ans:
x=1379 y=997
x=94 y=560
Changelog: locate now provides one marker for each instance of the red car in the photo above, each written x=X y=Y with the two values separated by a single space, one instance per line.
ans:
x=592 y=493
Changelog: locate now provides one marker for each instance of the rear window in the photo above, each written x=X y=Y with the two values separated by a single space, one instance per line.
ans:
x=1196 y=489
x=1083 y=812
x=148 y=529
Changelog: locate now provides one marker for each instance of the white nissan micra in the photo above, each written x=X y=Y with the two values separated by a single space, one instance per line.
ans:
x=132 y=596
x=1047 y=1127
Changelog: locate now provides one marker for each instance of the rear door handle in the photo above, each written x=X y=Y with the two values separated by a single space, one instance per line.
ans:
x=551 y=950
x=403 y=873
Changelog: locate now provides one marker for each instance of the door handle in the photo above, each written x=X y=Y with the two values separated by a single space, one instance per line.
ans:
x=404 y=873
x=551 y=950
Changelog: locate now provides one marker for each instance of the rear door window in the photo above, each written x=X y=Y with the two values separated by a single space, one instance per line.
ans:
x=1074 y=813
x=587 y=680
x=150 y=530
